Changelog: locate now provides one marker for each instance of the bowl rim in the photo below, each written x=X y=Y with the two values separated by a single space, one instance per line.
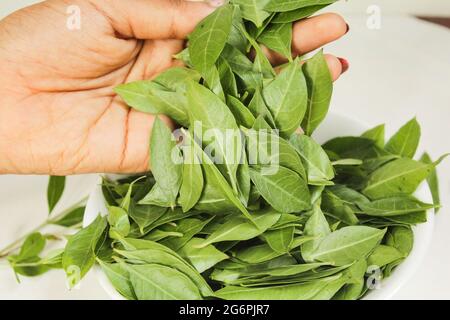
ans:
x=423 y=233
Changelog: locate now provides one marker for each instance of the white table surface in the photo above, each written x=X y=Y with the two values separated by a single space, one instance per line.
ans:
x=397 y=72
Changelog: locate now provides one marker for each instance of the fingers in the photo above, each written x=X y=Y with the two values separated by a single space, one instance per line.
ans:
x=155 y=19
x=313 y=33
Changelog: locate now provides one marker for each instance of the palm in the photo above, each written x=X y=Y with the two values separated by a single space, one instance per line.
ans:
x=67 y=116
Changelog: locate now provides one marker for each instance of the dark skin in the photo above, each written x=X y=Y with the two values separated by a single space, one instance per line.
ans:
x=58 y=112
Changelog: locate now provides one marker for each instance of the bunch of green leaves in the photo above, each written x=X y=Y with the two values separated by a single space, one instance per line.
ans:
x=204 y=225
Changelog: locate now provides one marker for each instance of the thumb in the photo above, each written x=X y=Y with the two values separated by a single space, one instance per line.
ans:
x=156 y=19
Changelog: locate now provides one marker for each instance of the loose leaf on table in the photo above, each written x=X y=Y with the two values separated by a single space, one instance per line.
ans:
x=209 y=38
x=394 y=206
x=348 y=245
x=405 y=142
x=55 y=190
x=165 y=161
x=119 y=278
x=79 y=253
x=282 y=188
x=377 y=134
x=317 y=164
x=158 y=282
x=433 y=182
x=290 y=5
x=398 y=177
x=252 y=10
x=287 y=98
x=320 y=90
x=192 y=180
x=278 y=37
x=239 y=228
x=201 y=258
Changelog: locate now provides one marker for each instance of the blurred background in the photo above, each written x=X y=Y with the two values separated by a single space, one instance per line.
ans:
x=399 y=54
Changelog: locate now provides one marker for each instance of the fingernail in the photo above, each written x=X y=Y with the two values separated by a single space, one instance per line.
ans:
x=345 y=64
x=348 y=28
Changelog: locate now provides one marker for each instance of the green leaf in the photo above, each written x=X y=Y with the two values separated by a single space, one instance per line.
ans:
x=289 y=5
x=278 y=37
x=145 y=215
x=216 y=187
x=266 y=148
x=383 y=255
x=302 y=291
x=317 y=227
x=31 y=247
x=320 y=90
x=241 y=113
x=209 y=38
x=376 y=134
x=282 y=188
x=119 y=278
x=239 y=228
x=189 y=228
x=165 y=161
x=298 y=14
x=252 y=10
x=227 y=78
x=259 y=108
x=149 y=252
x=212 y=81
x=151 y=97
x=433 y=182
x=157 y=282
x=348 y=245
x=79 y=254
x=215 y=119
x=405 y=142
x=119 y=223
x=201 y=258
x=192 y=181
x=257 y=254
x=280 y=240
x=318 y=165
x=287 y=98
x=72 y=218
x=394 y=206
x=399 y=177
x=400 y=238
x=55 y=190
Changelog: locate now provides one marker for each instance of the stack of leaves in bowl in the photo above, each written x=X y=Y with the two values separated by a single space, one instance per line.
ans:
x=242 y=203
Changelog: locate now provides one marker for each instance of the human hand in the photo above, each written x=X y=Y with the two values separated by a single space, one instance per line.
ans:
x=58 y=112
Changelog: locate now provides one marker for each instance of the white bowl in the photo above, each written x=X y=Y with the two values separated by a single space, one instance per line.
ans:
x=335 y=125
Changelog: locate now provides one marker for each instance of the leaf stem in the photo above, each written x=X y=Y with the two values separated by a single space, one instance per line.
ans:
x=16 y=244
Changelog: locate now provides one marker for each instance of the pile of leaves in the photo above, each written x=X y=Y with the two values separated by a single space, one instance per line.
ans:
x=297 y=221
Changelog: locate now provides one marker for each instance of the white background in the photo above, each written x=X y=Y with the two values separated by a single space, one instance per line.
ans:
x=397 y=72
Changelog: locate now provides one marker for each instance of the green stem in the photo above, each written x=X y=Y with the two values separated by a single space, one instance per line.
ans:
x=17 y=243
